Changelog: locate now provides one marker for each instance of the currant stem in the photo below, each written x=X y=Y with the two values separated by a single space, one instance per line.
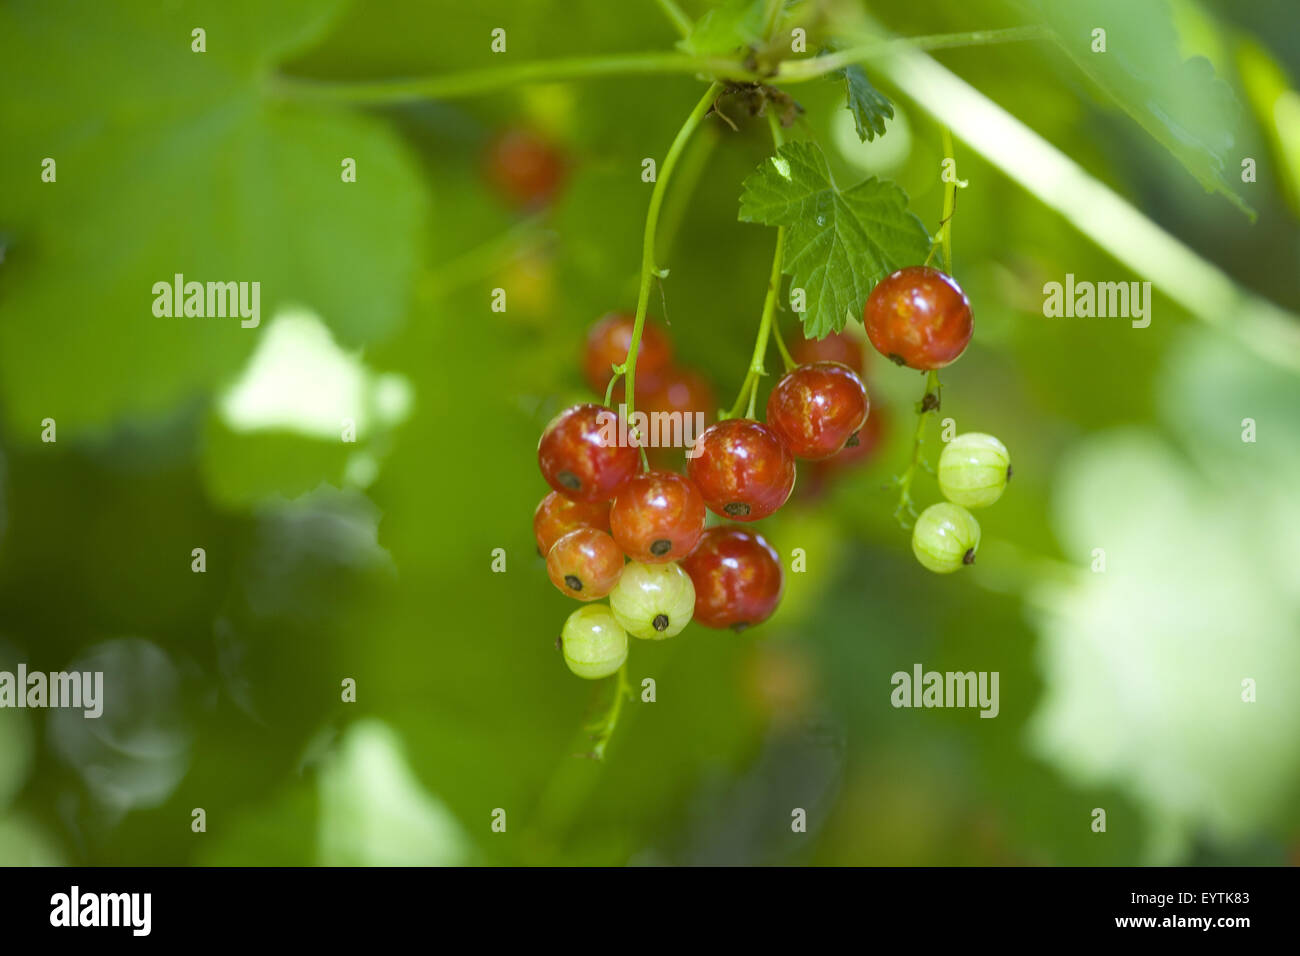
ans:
x=752 y=407
x=930 y=401
x=604 y=727
x=613 y=380
x=786 y=359
x=648 y=269
x=943 y=238
x=742 y=397
x=949 y=203
x=749 y=388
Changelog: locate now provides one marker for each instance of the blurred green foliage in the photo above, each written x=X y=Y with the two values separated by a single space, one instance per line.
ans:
x=1119 y=691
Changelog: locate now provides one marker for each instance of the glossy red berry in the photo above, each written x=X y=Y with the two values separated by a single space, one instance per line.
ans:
x=585 y=564
x=524 y=168
x=836 y=347
x=737 y=576
x=742 y=468
x=558 y=514
x=816 y=409
x=657 y=516
x=918 y=317
x=607 y=344
x=580 y=454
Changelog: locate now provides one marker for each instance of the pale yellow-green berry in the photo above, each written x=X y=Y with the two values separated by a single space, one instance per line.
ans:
x=946 y=536
x=973 y=470
x=653 y=601
x=594 y=643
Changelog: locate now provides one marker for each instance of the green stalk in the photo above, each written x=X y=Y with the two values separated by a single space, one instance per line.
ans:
x=749 y=388
x=604 y=727
x=949 y=203
x=786 y=358
x=450 y=86
x=944 y=236
x=930 y=401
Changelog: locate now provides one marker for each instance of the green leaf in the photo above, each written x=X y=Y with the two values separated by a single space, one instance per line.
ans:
x=737 y=23
x=173 y=161
x=839 y=243
x=870 y=107
x=1185 y=560
x=1182 y=103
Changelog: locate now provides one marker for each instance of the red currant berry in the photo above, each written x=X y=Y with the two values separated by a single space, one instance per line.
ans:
x=817 y=408
x=580 y=455
x=657 y=516
x=524 y=168
x=737 y=577
x=585 y=564
x=918 y=317
x=607 y=344
x=559 y=514
x=742 y=468
x=836 y=347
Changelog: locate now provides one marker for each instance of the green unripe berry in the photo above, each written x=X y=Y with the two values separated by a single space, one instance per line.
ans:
x=973 y=470
x=653 y=601
x=594 y=643
x=946 y=536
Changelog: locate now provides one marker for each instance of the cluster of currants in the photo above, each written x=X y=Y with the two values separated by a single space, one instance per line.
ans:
x=636 y=535
x=604 y=508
